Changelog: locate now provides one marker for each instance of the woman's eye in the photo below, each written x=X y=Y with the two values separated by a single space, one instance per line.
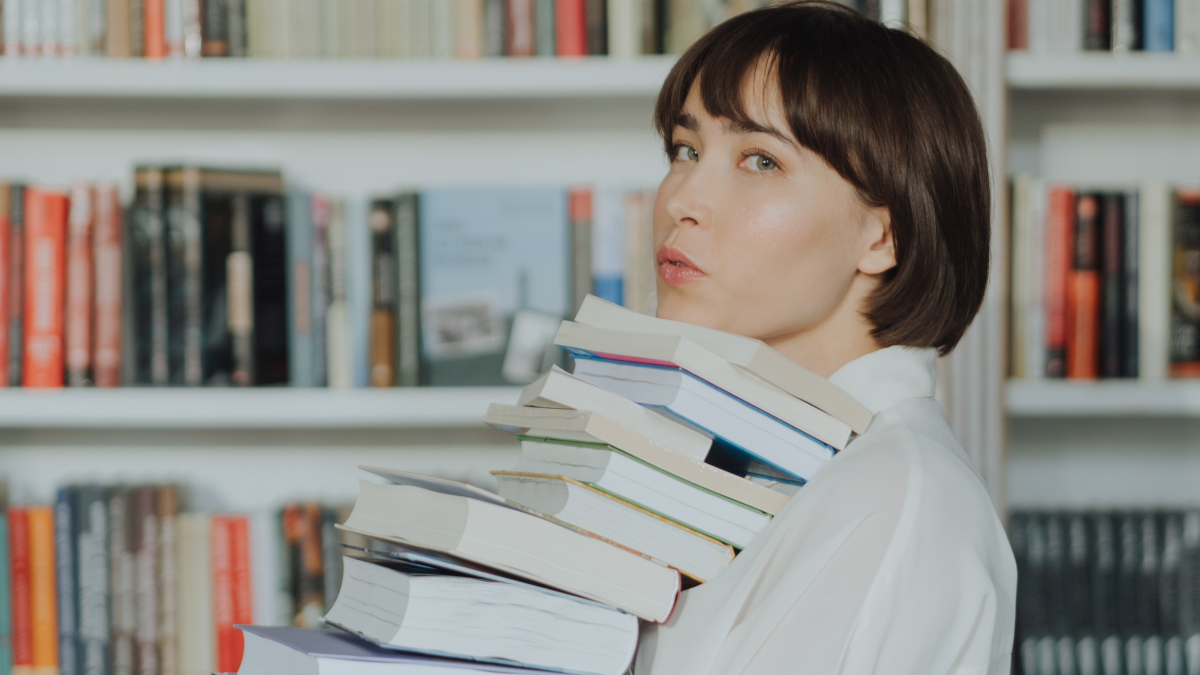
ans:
x=686 y=153
x=761 y=163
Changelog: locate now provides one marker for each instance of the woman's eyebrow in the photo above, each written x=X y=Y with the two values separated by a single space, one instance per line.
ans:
x=686 y=121
x=752 y=127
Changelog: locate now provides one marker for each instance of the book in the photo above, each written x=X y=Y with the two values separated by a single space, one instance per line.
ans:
x=1127 y=28
x=148 y=303
x=516 y=543
x=167 y=562
x=1131 y=237
x=108 y=265
x=571 y=34
x=5 y=276
x=1083 y=291
x=468 y=29
x=314 y=651
x=173 y=27
x=1018 y=22
x=154 y=29
x=381 y=221
x=1112 y=280
x=1158 y=25
x=358 y=289
x=20 y=589
x=214 y=25
x=747 y=353
x=145 y=546
x=1059 y=239
x=16 y=285
x=6 y=614
x=66 y=575
x=195 y=578
x=43 y=589
x=408 y=289
x=137 y=28
x=696 y=556
x=266 y=538
x=122 y=570
x=45 y=243
x=91 y=532
x=624 y=28
x=545 y=28
x=403 y=606
x=232 y=603
x=1185 y=292
x=579 y=207
x=519 y=28
x=318 y=303
x=117 y=23
x=559 y=389
x=1097 y=24
x=1187 y=26
x=646 y=486
x=80 y=293
x=681 y=353
x=494 y=19
x=301 y=333
x=745 y=439
x=337 y=315
x=596 y=19
x=591 y=428
x=269 y=281
x=495 y=282
x=608 y=245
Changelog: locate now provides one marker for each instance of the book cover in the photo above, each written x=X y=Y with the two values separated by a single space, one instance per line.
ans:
x=269 y=284
x=1060 y=229
x=167 y=564
x=408 y=290
x=1158 y=25
x=495 y=271
x=154 y=29
x=146 y=578
x=571 y=29
x=1130 y=348
x=19 y=588
x=520 y=30
x=596 y=19
x=381 y=221
x=122 y=569
x=545 y=28
x=45 y=243
x=320 y=286
x=43 y=589
x=1185 y=287
x=1112 y=302
x=608 y=245
x=108 y=265
x=213 y=26
x=91 y=531
x=5 y=277
x=300 y=282
x=80 y=280
x=583 y=277
x=67 y=579
x=1083 y=291
x=1097 y=25
x=468 y=17
x=148 y=301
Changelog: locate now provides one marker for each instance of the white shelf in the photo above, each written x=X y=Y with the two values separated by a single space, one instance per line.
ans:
x=134 y=408
x=335 y=79
x=1100 y=70
x=1109 y=399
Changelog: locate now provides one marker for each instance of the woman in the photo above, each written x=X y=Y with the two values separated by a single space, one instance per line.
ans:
x=829 y=194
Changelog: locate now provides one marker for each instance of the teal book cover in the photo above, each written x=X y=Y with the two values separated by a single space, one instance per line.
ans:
x=495 y=283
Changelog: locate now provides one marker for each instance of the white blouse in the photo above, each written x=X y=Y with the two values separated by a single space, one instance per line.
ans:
x=892 y=560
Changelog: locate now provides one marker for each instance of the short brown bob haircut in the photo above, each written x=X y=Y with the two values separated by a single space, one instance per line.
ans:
x=893 y=118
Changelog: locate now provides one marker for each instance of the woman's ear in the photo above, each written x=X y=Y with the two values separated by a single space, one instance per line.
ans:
x=880 y=255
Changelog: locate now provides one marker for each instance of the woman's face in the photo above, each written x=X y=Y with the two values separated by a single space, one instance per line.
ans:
x=757 y=235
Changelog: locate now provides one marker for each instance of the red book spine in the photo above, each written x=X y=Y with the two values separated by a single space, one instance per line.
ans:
x=1018 y=24
x=20 y=594
x=519 y=28
x=79 y=287
x=570 y=19
x=1060 y=227
x=106 y=359
x=5 y=275
x=243 y=591
x=223 y=595
x=1083 y=292
x=45 y=241
x=155 y=29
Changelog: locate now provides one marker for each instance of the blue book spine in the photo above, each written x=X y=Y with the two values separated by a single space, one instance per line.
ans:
x=299 y=273
x=608 y=245
x=6 y=655
x=358 y=288
x=66 y=579
x=1158 y=22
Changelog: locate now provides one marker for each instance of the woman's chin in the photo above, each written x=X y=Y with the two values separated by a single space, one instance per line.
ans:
x=687 y=308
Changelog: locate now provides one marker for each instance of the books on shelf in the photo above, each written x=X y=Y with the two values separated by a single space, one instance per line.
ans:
x=1118 y=26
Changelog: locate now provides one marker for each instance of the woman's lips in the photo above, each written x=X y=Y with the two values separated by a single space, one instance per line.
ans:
x=675 y=268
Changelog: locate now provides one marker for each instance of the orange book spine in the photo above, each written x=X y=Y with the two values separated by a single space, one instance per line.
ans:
x=43 y=597
x=468 y=28
x=79 y=287
x=5 y=274
x=45 y=241
x=1060 y=229
x=1083 y=292
x=243 y=588
x=106 y=262
x=155 y=29
x=223 y=594
x=19 y=593
x=570 y=22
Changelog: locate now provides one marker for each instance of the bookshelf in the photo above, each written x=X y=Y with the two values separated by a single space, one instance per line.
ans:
x=1102 y=71
x=1044 y=399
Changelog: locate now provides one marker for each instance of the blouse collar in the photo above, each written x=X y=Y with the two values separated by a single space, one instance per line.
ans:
x=888 y=376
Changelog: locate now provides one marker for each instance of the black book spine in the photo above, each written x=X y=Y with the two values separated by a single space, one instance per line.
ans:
x=216 y=212
x=1058 y=609
x=235 y=27
x=185 y=326
x=1129 y=578
x=92 y=542
x=320 y=289
x=1149 y=600
x=408 y=292
x=149 y=283
x=270 y=288
x=66 y=578
x=597 y=27
x=1189 y=587
x=214 y=23
x=240 y=302
x=1170 y=593
x=1112 y=311
x=654 y=14
x=331 y=554
x=144 y=549
x=1104 y=592
x=1025 y=635
x=1097 y=25
x=1129 y=322
x=1078 y=593
x=16 y=287
x=383 y=294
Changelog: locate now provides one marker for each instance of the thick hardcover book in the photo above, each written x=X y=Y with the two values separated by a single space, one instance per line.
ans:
x=1131 y=234
x=66 y=510
x=1185 y=326
x=45 y=243
x=320 y=286
x=20 y=592
x=5 y=277
x=269 y=284
x=520 y=29
x=213 y=26
x=42 y=589
x=122 y=586
x=1060 y=228
x=408 y=290
x=381 y=221
x=1083 y=291
x=167 y=564
x=1097 y=25
x=571 y=34
x=300 y=282
x=145 y=552
x=91 y=532
x=1112 y=275
x=80 y=270
x=107 y=257
x=147 y=295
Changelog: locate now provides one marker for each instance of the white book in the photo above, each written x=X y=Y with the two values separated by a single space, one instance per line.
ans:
x=1125 y=25
x=624 y=28
x=265 y=537
x=358 y=288
x=747 y=439
x=197 y=642
x=68 y=27
x=1038 y=25
x=1066 y=26
x=30 y=16
x=173 y=27
x=441 y=29
x=13 y=28
x=559 y=389
x=49 y=27
x=329 y=35
x=608 y=242
x=1035 y=303
x=420 y=38
x=337 y=317
x=893 y=13
x=1154 y=281
x=1187 y=26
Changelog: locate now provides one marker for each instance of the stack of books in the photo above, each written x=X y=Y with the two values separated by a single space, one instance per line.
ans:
x=642 y=473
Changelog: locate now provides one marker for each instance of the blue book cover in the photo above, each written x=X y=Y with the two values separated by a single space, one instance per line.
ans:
x=6 y=655
x=358 y=288
x=1158 y=25
x=300 y=335
x=66 y=577
x=495 y=283
x=608 y=245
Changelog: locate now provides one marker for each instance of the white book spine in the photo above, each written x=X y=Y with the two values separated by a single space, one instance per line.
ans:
x=1066 y=26
x=1187 y=26
x=283 y=28
x=893 y=13
x=1035 y=322
x=31 y=34
x=49 y=27
x=97 y=27
x=441 y=29
x=337 y=317
x=1038 y=26
x=12 y=28
x=68 y=27
x=264 y=566
x=624 y=28
x=173 y=24
x=1124 y=26
x=328 y=28
x=420 y=18
x=1154 y=281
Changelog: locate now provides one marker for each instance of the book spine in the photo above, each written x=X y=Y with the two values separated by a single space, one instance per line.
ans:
x=624 y=28
x=49 y=27
x=309 y=577
x=408 y=290
x=122 y=571
x=6 y=607
x=1112 y=310
x=69 y=35
x=243 y=591
x=173 y=27
x=236 y=34
x=31 y=29
x=97 y=29
x=16 y=287
x=571 y=29
x=185 y=284
x=1059 y=236
x=544 y=26
x=167 y=566
x=383 y=293
x=109 y=273
x=1129 y=275
x=358 y=290
x=1187 y=26
x=1018 y=260
x=337 y=319
x=319 y=299
x=640 y=270
x=43 y=589
x=1083 y=292
x=91 y=542
x=1097 y=27
x=493 y=28
x=520 y=29
x=579 y=202
x=228 y=654
x=196 y=645
x=20 y=590
x=468 y=29
x=596 y=18
x=1155 y=220
x=270 y=289
x=10 y=16
x=80 y=278
x=608 y=245
x=264 y=562
x=145 y=555
x=154 y=29
x=300 y=282
x=151 y=313
x=1126 y=25
x=1185 y=328
x=193 y=36
x=66 y=575
x=240 y=287
x=1018 y=24
x=1158 y=25
x=5 y=277
x=116 y=38
x=214 y=23
x=331 y=557
x=46 y=225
